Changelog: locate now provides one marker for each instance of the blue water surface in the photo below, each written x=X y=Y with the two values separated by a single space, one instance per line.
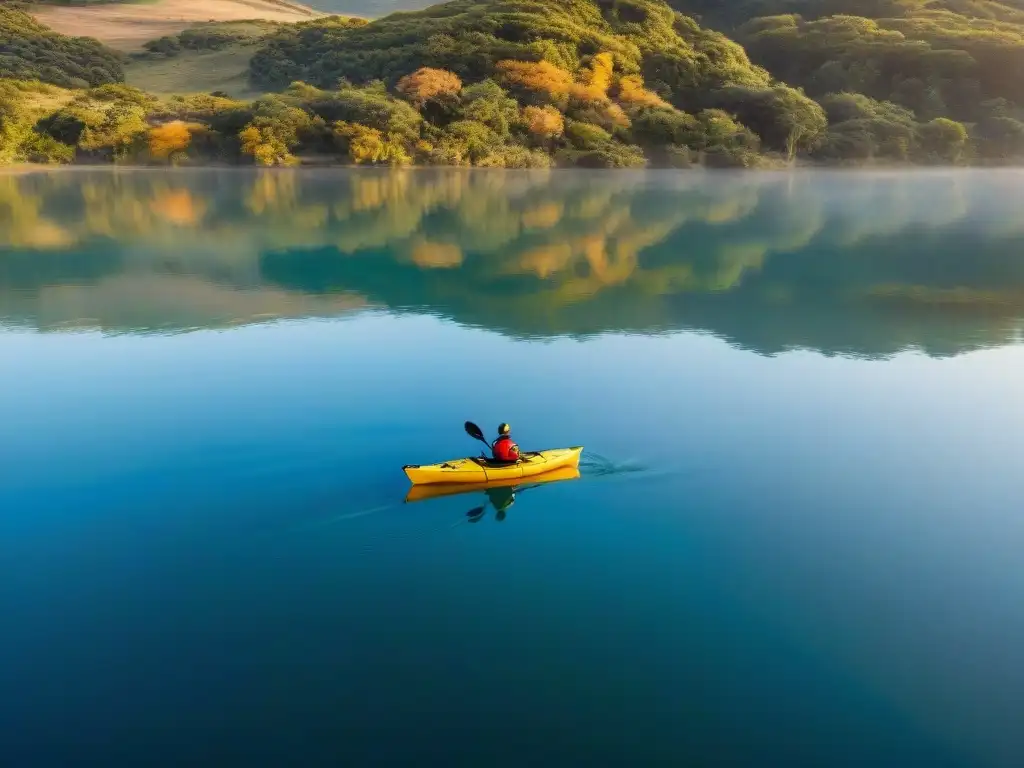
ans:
x=796 y=539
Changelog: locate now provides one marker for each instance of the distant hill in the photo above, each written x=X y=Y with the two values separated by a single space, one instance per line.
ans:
x=731 y=14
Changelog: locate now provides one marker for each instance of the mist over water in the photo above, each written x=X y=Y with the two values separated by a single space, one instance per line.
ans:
x=795 y=538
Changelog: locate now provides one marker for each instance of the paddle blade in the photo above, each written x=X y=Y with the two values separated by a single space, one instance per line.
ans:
x=474 y=431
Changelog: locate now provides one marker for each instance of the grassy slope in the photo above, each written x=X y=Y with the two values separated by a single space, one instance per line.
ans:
x=195 y=72
x=40 y=100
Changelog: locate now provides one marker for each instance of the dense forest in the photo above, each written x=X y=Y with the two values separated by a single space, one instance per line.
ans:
x=519 y=83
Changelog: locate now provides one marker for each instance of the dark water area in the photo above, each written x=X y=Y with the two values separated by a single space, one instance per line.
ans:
x=796 y=538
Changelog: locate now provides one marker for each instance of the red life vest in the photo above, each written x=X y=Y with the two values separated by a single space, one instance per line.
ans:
x=505 y=450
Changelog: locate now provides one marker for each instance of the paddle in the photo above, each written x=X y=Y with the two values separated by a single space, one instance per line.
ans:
x=476 y=433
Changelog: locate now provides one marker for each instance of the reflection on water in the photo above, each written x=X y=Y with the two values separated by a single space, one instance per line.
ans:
x=864 y=264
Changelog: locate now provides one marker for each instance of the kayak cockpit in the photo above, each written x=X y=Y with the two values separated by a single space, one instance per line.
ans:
x=487 y=463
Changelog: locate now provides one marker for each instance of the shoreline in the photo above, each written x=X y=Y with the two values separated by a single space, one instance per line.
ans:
x=25 y=169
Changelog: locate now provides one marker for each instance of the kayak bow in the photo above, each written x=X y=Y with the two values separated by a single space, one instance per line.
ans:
x=480 y=470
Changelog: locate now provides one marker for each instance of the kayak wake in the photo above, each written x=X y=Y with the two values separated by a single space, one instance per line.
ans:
x=330 y=520
x=596 y=465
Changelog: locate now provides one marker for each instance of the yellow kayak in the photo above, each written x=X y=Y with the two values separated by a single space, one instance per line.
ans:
x=480 y=470
x=436 y=490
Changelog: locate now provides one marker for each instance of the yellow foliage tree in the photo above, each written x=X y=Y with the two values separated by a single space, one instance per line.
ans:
x=369 y=145
x=633 y=93
x=544 y=122
x=254 y=143
x=265 y=146
x=427 y=83
x=601 y=68
x=366 y=145
x=169 y=139
x=250 y=139
x=541 y=76
x=594 y=82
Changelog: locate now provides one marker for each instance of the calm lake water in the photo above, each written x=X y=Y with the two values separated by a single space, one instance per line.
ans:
x=798 y=538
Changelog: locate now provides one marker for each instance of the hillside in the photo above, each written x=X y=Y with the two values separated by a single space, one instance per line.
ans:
x=207 y=57
x=518 y=83
x=932 y=59
x=31 y=51
x=615 y=79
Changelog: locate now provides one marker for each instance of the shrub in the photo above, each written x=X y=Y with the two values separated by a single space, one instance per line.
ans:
x=610 y=155
x=586 y=135
x=169 y=140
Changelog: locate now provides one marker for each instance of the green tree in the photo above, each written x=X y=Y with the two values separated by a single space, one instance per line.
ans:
x=861 y=128
x=784 y=118
x=943 y=140
x=1001 y=138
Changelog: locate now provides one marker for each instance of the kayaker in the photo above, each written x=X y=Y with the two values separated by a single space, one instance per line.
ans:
x=504 y=449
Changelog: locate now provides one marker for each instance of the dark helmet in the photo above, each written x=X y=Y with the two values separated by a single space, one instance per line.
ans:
x=504 y=429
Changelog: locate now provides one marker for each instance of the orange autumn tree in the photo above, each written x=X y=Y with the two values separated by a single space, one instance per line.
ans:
x=427 y=83
x=632 y=93
x=538 y=76
x=544 y=123
x=169 y=139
